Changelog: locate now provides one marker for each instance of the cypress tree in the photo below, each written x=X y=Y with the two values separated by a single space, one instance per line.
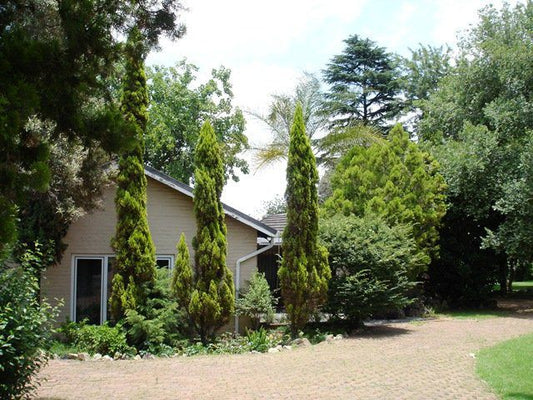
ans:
x=212 y=300
x=181 y=285
x=134 y=249
x=304 y=271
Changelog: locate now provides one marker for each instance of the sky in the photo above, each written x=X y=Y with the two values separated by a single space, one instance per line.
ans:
x=268 y=45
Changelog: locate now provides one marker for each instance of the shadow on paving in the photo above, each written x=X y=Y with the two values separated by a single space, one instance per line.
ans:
x=380 y=331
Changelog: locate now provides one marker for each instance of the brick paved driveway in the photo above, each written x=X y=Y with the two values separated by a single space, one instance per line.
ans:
x=428 y=360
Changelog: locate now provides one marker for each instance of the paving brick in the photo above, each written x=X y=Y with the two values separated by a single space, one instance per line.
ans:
x=431 y=360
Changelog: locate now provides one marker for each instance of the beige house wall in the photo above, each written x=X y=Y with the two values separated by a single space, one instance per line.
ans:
x=169 y=213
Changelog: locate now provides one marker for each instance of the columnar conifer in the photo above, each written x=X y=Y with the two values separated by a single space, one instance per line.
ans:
x=182 y=278
x=135 y=252
x=212 y=300
x=304 y=272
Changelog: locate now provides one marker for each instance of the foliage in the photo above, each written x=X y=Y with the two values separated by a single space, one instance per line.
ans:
x=24 y=327
x=75 y=188
x=57 y=58
x=212 y=297
x=256 y=301
x=396 y=180
x=304 y=271
x=178 y=108
x=483 y=111
x=422 y=73
x=259 y=340
x=507 y=367
x=371 y=263
x=364 y=85
x=133 y=246
x=102 y=339
x=160 y=324
x=280 y=119
x=182 y=278
x=277 y=205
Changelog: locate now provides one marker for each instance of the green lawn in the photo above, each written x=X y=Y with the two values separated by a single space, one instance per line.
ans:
x=474 y=314
x=523 y=285
x=508 y=368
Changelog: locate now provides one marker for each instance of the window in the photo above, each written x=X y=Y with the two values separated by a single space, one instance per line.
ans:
x=92 y=278
x=164 y=262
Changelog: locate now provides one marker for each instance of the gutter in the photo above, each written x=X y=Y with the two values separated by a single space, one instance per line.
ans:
x=273 y=241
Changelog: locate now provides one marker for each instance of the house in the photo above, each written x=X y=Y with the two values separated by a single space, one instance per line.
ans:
x=83 y=278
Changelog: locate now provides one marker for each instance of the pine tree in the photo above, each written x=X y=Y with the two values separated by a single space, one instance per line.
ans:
x=304 y=272
x=134 y=249
x=397 y=181
x=212 y=300
x=182 y=278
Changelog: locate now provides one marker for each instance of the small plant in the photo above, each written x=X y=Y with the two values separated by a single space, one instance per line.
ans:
x=102 y=339
x=257 y=301
x=258 y=340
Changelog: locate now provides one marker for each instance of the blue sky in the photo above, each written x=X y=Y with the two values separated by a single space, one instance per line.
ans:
x=269 y=44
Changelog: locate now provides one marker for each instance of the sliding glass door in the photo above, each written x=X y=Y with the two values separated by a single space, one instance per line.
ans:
x=88 y=289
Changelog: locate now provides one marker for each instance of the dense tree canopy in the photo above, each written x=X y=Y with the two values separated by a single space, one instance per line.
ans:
x=364 y=85
x=478 y=124
x=56 y=61
x=178 y=108
x=396 y=180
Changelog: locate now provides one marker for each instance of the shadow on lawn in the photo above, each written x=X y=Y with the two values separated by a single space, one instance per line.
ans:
x=519 y=396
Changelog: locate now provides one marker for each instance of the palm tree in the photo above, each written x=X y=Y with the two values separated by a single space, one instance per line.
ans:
x=329 y=147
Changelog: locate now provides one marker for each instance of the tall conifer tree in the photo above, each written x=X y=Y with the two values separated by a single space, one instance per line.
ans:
x=135 y=251
x=182 y=276
x=212 y=300
x=304 y=271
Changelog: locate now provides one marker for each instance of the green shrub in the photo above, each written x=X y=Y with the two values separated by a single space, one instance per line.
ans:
x=259 y=340
x=257 y=301
x=370 y=262
x=159 y=324
x=102 y=339
x=24 y=328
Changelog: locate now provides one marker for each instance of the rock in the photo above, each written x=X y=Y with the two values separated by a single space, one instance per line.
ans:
x=72 y=356
x=97 y=357
x=255 y=352
x=56 y=357
x=329 y=338
x=288 y=347
x=273 y=350
x=339 y=337
x=117 y=356
x=84 y=356
x=148 y=356
x=472 y=355
x=137 y=357
x=301 y=342
x=107 y=358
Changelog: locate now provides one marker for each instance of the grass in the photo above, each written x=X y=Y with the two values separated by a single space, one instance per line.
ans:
x=475 y=314
x=523 y=285
x=518 y=286
x=508 y=368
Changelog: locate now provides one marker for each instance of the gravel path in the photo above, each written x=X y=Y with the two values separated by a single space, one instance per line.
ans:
x=422 y=360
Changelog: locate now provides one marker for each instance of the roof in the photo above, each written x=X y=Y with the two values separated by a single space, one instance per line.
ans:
x=230 y=211
x=276 y=221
